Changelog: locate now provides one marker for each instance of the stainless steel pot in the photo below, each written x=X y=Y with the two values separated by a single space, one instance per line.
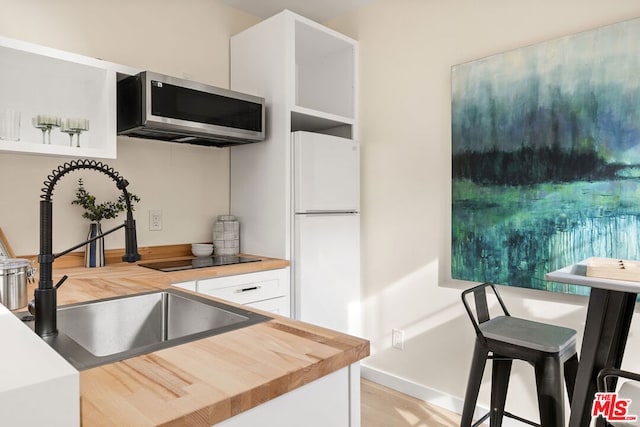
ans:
x=14 y=275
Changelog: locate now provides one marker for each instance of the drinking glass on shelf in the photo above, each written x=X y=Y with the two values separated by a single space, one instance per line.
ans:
x=10 y=125
x=75 y=126
x=65 y=129
x=45 y=123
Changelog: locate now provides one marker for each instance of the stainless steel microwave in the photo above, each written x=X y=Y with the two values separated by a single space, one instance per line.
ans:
x=155 y=106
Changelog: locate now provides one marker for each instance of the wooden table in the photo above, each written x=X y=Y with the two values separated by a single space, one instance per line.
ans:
x=609 y=313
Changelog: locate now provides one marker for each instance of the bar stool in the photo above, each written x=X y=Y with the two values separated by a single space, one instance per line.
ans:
x=550 y=349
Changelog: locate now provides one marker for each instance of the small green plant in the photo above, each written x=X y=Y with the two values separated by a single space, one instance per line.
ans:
x=97 y=212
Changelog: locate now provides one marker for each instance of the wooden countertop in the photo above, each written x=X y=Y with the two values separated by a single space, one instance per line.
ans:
x=203 y=382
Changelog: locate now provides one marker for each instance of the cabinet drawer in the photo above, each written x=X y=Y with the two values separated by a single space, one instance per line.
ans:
x=244 y=293
x=246 y=288
x=280 y=305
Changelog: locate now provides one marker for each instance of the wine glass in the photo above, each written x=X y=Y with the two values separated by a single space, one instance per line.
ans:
x=76 y=126
x=66 y=129
x=45 y=123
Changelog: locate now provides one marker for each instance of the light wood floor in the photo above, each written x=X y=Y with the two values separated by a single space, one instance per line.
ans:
x=384 y=407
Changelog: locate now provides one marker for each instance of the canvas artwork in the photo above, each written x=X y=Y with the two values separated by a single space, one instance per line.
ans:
x=546 y=158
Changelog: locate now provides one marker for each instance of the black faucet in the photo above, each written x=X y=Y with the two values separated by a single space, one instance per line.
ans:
x=45 y=294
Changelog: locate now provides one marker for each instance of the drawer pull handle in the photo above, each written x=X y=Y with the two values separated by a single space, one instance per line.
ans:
x=253 y=288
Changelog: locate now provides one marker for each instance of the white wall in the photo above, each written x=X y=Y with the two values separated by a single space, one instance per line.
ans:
x=407 y=48
x=190 y=184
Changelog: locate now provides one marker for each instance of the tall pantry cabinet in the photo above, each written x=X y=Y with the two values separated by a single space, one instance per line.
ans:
x=307 y=74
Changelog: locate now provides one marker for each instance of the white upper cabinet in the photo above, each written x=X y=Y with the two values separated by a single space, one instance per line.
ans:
x=308 y=75
x=306 y=72
x=49 y=84
x=325 y=72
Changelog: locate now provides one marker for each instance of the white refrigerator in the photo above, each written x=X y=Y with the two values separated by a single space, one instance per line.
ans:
x=326 y=238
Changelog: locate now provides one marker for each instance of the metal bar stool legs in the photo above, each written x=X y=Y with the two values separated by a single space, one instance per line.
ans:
x=550 y=391
x=478 y=363
x=570 y=373
x=500 y=372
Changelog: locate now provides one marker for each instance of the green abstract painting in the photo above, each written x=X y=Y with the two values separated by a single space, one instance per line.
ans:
x=546 y=158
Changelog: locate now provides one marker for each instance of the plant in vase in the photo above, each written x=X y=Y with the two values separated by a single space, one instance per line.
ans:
x=96 y=212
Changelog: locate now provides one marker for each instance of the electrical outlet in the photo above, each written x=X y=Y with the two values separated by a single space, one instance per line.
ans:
x=397 y=339
x=155 y=220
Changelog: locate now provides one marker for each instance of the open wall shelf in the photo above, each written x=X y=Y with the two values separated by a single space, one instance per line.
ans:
x=36 y=80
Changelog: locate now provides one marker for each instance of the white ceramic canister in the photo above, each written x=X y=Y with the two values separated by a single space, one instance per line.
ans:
x=226 y=235
x=14 y=273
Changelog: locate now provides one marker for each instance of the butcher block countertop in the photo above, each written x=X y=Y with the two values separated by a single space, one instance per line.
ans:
x=202 y=382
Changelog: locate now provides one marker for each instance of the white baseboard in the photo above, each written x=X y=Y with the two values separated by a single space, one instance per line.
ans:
x=424 y=393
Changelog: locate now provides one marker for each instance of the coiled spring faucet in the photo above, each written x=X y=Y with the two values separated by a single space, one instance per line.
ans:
x=45 y=295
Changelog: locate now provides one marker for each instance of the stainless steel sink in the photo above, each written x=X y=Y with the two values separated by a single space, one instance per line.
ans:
x=103 y=331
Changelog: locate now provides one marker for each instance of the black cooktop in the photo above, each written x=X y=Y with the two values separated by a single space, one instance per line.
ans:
x=200 y=262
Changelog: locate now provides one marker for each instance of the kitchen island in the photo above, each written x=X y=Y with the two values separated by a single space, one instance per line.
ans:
x=277 y=370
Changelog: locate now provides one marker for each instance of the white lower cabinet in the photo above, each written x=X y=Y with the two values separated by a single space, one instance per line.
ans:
x=266 y=290
x=330 y=401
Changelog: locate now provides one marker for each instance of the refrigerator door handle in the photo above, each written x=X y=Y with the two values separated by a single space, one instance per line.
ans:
x=328 y=212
